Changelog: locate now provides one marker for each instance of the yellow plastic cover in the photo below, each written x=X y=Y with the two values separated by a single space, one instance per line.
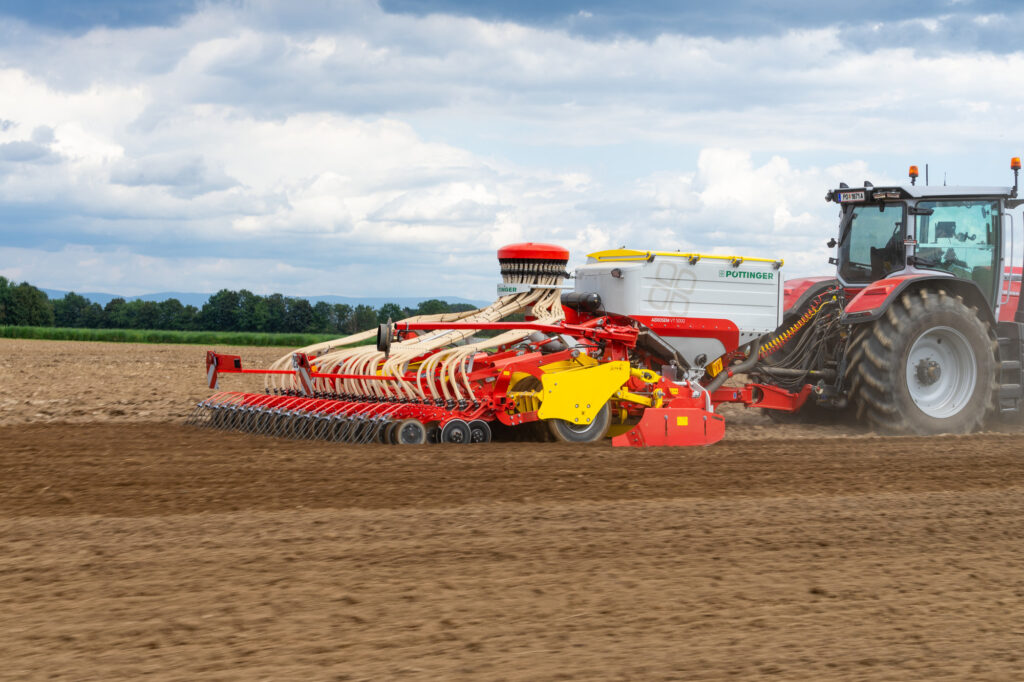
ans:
x=576 y=395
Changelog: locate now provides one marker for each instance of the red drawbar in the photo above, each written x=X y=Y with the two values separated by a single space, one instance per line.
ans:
x=725 y=331
x=533 y=251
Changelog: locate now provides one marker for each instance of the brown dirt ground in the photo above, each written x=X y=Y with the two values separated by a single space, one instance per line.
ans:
x=84 y=382
x=134 y=547
x=80 y=382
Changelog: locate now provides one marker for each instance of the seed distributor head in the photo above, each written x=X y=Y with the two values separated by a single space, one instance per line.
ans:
x=529 y=260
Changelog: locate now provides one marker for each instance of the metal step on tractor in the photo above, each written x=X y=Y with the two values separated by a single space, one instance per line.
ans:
x=918 y=331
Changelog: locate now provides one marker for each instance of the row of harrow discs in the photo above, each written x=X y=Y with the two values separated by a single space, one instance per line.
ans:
x=332 y=417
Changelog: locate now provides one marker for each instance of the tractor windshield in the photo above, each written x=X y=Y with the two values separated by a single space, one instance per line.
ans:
x=960 y=237
x=871 y=242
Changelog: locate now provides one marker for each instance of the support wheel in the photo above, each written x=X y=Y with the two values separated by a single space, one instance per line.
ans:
x=480 y=431
x=456 y=431
x=382 y=431
x=927 y=366
x=568 y=432
x=433 y=433
x=410 y=432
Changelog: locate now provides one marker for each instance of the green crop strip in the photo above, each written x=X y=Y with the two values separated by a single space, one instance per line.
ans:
x=164 y=336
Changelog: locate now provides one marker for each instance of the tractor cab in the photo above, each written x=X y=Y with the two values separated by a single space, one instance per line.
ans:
x=912 y=230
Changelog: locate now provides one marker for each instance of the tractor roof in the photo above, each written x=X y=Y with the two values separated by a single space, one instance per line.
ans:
x=873 y=193
x=925 y=191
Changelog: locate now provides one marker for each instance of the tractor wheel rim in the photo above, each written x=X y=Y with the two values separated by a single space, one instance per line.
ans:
x=941 y=372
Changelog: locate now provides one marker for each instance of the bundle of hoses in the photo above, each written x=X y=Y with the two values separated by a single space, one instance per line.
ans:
x=790 y=357
x=783 y=338
x=444 y=356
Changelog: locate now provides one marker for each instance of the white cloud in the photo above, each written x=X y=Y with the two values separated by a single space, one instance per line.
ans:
x=300 y=150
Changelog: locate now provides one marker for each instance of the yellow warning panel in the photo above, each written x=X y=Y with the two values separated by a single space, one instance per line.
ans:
x=715 y=368
x=682 y=421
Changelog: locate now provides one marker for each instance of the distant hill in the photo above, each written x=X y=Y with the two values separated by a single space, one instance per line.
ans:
x=199 y=299
x=103 y=299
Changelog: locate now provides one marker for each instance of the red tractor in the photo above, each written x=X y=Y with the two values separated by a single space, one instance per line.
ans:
x=925 y=335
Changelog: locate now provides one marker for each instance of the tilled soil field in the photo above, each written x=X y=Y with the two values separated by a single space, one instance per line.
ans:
x=132 y=546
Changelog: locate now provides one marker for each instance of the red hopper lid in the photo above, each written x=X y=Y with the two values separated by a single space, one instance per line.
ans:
x=533 y=251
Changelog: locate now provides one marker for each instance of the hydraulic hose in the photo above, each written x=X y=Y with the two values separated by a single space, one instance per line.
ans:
x=748 y=364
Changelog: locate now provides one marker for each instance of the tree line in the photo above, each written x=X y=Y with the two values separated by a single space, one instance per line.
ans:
x=225 y=311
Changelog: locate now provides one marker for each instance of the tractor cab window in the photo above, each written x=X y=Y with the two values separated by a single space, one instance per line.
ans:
x=871 y=242
x=960 y=237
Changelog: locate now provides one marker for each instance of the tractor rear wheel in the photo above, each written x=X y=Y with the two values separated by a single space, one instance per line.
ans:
x=927 y=366
x=568 y=432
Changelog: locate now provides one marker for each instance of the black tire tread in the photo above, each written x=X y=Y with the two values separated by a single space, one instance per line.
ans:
x=876 y=361
x=855 y=355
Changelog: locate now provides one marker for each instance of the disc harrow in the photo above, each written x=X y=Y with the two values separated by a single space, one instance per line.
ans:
x=329 y=417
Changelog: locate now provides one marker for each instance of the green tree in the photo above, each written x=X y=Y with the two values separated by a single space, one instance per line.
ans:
x=143 y=314
x=190 y=317
x=68 y=311
x=5 y=300
x=171 y=314
x=323 y=317
x=253 y=314
x=300 y=315
x=24 y=305
x=277 y=312
x=364 y=317
x=93 y=317
x=343 y=318
x=220 y=312
x=115 y=314
x=432 y=307
x=392 y=311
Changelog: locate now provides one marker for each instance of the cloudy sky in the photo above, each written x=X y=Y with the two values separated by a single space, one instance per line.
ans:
x=388 y=147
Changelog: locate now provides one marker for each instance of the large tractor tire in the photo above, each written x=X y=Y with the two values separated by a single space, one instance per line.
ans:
x=927 y=366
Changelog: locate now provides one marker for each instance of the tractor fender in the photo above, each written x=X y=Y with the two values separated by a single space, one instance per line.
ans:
x=797 y=292
x=871 y=302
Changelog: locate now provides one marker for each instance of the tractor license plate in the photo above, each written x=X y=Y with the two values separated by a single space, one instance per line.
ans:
x=845 y=197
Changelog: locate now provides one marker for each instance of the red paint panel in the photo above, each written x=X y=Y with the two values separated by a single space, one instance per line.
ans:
x=673 y=426
x=793 y=289
x=1009 y=309
x=874 y=295
x=725 y=331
